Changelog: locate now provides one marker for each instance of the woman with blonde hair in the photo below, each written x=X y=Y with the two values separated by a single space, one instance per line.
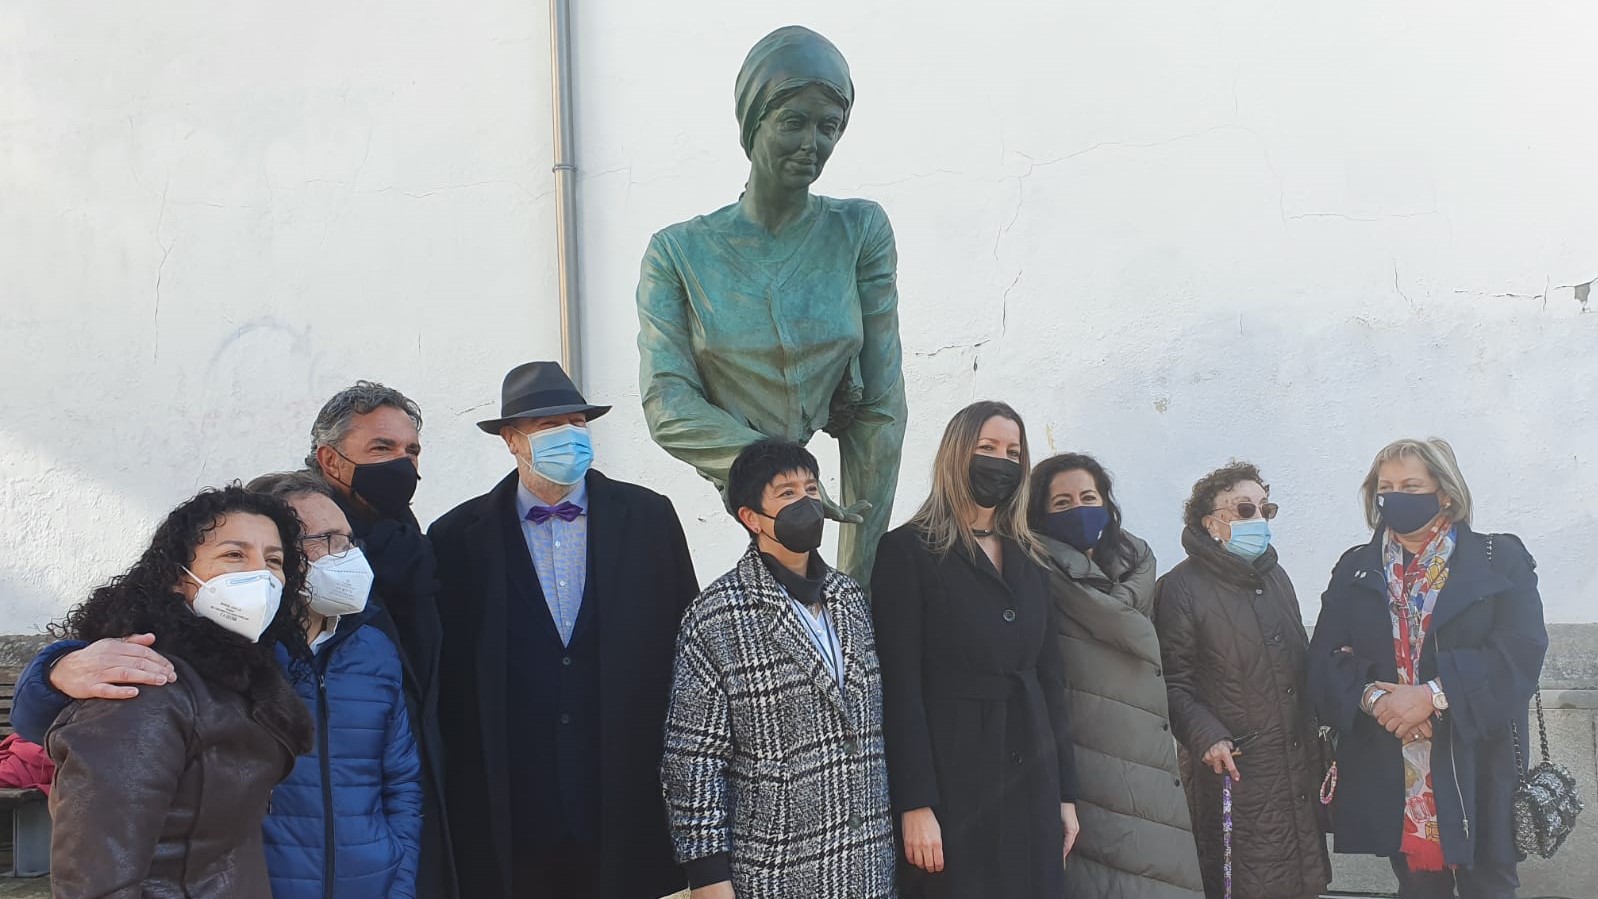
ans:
x=980 y=759
x=1428 y=649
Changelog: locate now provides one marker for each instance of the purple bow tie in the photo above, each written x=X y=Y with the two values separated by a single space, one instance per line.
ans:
x=564 y=511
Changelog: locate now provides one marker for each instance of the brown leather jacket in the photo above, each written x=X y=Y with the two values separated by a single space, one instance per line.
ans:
x=163 y=795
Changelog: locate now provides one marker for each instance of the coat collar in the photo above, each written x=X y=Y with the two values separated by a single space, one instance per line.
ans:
x=1219 y=562
x=1074 y=563
x=787 y=631
x=1471 y=577
x=1015 y=562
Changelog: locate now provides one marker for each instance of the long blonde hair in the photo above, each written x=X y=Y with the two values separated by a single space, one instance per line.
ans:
x=942 y=518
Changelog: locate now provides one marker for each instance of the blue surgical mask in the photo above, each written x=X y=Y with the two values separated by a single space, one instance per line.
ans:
x=1250 y=539
x=561 y=455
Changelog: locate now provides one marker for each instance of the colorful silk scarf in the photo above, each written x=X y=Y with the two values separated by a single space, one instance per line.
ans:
x=1412 y=592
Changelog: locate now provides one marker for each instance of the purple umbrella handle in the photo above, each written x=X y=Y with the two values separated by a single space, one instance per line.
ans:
x=1226 y=832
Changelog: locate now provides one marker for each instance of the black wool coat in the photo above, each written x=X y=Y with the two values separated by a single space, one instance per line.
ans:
x=640 y=580
x=975 y=713
x=1486 y=643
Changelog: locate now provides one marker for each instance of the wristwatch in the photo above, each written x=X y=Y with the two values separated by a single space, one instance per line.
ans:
x=1439 y=698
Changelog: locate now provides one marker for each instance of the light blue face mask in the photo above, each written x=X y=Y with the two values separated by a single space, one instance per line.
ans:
x=1250 y=538
x=561 y=455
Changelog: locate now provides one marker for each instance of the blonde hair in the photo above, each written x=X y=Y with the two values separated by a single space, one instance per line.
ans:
x=1438 y=457
x=942 y=518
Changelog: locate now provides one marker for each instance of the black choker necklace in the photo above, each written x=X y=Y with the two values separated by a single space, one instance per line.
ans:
x=981 y=533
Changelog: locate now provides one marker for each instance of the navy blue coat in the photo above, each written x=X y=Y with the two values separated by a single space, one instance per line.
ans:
x=365 y=754
x=1486 y=643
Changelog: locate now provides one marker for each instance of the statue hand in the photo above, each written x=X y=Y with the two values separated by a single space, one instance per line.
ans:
x=854 y=514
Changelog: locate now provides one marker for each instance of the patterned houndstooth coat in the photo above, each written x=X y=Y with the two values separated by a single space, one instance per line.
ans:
x=764 y=759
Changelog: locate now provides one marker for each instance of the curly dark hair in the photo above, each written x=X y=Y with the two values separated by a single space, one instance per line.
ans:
x=1202 y=500
x=145 y=599
x=1113 y=540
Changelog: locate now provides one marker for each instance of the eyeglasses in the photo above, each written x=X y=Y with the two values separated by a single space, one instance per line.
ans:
x=329 y=544
x=1246 y=510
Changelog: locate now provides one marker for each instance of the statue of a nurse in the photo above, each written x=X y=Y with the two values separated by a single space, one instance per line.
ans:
x=777 y=316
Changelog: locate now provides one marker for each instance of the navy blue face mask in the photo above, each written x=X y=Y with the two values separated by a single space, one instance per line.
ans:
x=1080 y=526
x=1406 y=513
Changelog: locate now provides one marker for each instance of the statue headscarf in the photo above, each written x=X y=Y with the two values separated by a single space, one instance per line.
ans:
x=788 y=59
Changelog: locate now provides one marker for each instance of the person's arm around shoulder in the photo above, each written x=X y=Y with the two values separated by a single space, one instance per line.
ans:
x=118 y=765
x=402 y=781
x=71 y=669
x=1489 y=686
x=693 y=766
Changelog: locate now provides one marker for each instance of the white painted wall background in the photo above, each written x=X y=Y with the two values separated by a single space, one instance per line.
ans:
x=1170 y=234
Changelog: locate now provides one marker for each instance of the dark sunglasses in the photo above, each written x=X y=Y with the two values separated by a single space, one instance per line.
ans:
x=1246 y=510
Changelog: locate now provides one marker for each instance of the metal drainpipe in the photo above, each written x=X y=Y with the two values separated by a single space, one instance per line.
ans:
x=565 y=169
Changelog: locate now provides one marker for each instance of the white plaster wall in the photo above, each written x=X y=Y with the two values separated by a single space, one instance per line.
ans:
x=213 y=216
x=1170 y=234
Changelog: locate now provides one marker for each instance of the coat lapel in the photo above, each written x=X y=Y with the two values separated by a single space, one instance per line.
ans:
x=983 y=565
x=785 y=628
x=1470 y=578
x=842 y=599
x=487 y=539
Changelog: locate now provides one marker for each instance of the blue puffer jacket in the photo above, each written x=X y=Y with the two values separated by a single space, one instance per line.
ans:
x=360 y=789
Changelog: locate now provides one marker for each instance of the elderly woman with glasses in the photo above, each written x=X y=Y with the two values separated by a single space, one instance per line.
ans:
x=1428 y=649
x=1234 y=646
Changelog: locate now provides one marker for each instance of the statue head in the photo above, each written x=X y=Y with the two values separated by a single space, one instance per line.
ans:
x=794 y=94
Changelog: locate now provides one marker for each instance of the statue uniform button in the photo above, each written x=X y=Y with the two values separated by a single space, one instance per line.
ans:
x=1009 y=614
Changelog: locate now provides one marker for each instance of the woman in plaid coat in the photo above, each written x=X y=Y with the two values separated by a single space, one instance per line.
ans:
x=774 y=772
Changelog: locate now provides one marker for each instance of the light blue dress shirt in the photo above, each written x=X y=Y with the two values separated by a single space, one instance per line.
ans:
x=823 y=636
x=560 y=555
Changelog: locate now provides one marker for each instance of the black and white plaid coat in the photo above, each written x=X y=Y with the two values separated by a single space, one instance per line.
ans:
x=764 y=758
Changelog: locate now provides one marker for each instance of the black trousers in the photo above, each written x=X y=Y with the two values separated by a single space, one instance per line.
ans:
x=567 y=870
x=1484 y=881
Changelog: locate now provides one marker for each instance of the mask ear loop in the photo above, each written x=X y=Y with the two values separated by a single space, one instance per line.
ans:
x=192 y=575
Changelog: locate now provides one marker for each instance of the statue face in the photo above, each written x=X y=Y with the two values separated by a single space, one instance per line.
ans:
x=795 y=139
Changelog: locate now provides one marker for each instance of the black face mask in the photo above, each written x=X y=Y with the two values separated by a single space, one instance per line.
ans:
x=993 y=480
x=798 y=525
x=386 y=486
x=1407 y=513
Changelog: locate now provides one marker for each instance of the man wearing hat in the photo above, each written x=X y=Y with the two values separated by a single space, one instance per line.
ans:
x=561 y=595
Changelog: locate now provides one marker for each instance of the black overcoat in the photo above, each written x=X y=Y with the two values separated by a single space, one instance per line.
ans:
x=640 y=579
x=1486 y=643
x=974 y=705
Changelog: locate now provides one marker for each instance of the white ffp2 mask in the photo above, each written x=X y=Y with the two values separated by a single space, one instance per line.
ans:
x=339 y=584
x=244 y=602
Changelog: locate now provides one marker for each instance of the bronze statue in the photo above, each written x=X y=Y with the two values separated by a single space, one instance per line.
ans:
x=778 y=315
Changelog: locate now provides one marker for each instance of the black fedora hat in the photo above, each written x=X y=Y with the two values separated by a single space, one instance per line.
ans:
x=536 y=390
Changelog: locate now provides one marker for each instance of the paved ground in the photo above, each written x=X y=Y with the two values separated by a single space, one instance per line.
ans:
x=25 y=888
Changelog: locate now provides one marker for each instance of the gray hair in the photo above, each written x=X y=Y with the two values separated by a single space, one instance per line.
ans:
x=332 y=424
x=286 y=485
x=1438 y=457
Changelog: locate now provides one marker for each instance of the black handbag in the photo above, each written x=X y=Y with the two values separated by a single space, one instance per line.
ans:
x=1546 y=802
